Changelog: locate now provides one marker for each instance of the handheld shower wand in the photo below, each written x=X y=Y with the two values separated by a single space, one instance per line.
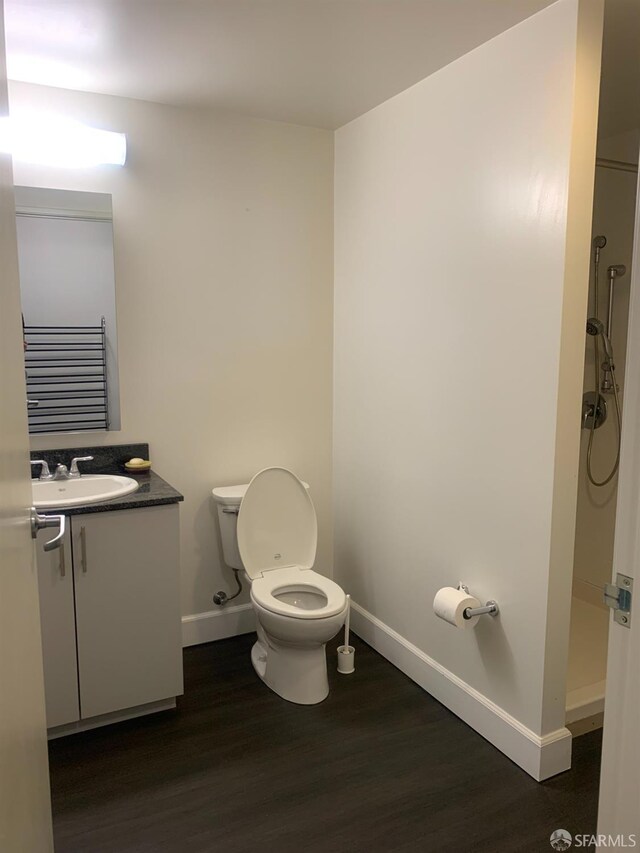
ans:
x=596 y=327
x=599 y=243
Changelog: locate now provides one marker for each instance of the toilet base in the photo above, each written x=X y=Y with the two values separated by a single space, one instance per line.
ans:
x=259 y=658
x=296 y=673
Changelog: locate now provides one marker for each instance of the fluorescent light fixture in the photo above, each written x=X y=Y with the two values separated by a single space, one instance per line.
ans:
x=54 y=141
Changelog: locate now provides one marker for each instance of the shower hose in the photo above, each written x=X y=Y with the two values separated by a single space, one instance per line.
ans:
x=616 y=400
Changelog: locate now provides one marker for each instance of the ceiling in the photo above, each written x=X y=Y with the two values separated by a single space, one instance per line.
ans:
x=313 y=62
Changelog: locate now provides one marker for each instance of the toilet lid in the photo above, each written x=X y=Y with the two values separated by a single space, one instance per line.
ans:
x=277 y=523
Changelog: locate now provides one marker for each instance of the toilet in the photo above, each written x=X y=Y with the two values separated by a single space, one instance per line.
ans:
x=269 y=529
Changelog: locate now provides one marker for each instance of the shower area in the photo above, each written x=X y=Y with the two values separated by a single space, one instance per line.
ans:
x=603 y=401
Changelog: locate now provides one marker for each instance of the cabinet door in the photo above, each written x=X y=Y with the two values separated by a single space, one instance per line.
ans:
x=126 y=566
x=57 y=618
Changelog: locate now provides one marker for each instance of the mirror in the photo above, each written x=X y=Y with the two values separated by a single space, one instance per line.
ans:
x=67 y=285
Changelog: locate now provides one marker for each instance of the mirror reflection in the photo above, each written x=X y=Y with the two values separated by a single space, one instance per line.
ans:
x=65 y=253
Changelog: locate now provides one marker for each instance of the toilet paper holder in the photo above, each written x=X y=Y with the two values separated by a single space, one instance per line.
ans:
x=490 y=608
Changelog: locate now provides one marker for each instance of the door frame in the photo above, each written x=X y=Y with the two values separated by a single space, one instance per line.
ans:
x=618 y=811
x=25 y=801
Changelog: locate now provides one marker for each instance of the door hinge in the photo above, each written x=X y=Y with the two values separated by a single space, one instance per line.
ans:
x=618 y=597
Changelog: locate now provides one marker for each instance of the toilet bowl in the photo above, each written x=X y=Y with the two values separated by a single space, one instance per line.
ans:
x=269 y=529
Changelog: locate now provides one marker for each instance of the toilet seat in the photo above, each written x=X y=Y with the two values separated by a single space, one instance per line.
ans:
x=277 y=525
x=295 y=578
x=277 y=538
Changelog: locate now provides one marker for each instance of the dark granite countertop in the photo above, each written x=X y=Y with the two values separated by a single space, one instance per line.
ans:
x=152 y=491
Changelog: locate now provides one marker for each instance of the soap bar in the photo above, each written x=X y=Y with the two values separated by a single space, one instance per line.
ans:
x=137 y=464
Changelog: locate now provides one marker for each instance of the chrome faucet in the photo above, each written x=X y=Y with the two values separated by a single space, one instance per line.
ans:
x=45 y=474
x=64 y=473
x=74 y=473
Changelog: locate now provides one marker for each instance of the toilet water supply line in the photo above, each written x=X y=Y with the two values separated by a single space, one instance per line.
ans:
x=221 y=598
x=596 y=328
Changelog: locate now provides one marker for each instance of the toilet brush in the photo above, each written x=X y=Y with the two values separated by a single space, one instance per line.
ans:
x=346 y=653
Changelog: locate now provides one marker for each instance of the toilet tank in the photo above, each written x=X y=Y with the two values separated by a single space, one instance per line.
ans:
x=228 y=500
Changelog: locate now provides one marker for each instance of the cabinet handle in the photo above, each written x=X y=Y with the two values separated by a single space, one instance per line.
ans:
x=63 y=565
x=83 y=549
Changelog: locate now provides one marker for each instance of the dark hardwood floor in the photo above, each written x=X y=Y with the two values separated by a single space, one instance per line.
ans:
x=379 y=766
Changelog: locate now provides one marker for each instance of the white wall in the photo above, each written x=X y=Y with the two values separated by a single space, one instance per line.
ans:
x=460 y=277
x=614 y=216
x=223 y=252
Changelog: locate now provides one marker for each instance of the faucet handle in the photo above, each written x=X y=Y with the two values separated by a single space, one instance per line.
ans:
x=45 y=474
x=74 y=472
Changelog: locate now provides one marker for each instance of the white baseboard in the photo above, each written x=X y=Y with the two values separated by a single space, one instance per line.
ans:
x=541 y=757
x=217 y=624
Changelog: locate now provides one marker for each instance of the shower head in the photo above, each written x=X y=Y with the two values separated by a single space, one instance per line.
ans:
x=616 y=270
x=599 y=243
x=594 y=327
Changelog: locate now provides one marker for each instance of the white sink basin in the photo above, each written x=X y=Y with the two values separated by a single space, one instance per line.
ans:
x=87 y=489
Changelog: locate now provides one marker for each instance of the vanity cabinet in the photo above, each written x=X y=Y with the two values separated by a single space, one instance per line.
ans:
x=110 y=612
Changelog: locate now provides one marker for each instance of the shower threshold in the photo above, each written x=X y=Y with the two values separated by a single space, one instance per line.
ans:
x=586 y=677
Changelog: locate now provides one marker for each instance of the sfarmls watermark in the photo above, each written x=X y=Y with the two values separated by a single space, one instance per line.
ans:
x=561 y=839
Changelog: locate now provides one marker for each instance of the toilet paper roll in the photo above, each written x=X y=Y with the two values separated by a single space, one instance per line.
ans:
x=450 y=604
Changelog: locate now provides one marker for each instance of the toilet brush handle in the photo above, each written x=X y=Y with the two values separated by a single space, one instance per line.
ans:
x=346 y=622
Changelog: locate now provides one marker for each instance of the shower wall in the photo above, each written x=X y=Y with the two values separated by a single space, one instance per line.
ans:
x=613 y=216
x=462 y=211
